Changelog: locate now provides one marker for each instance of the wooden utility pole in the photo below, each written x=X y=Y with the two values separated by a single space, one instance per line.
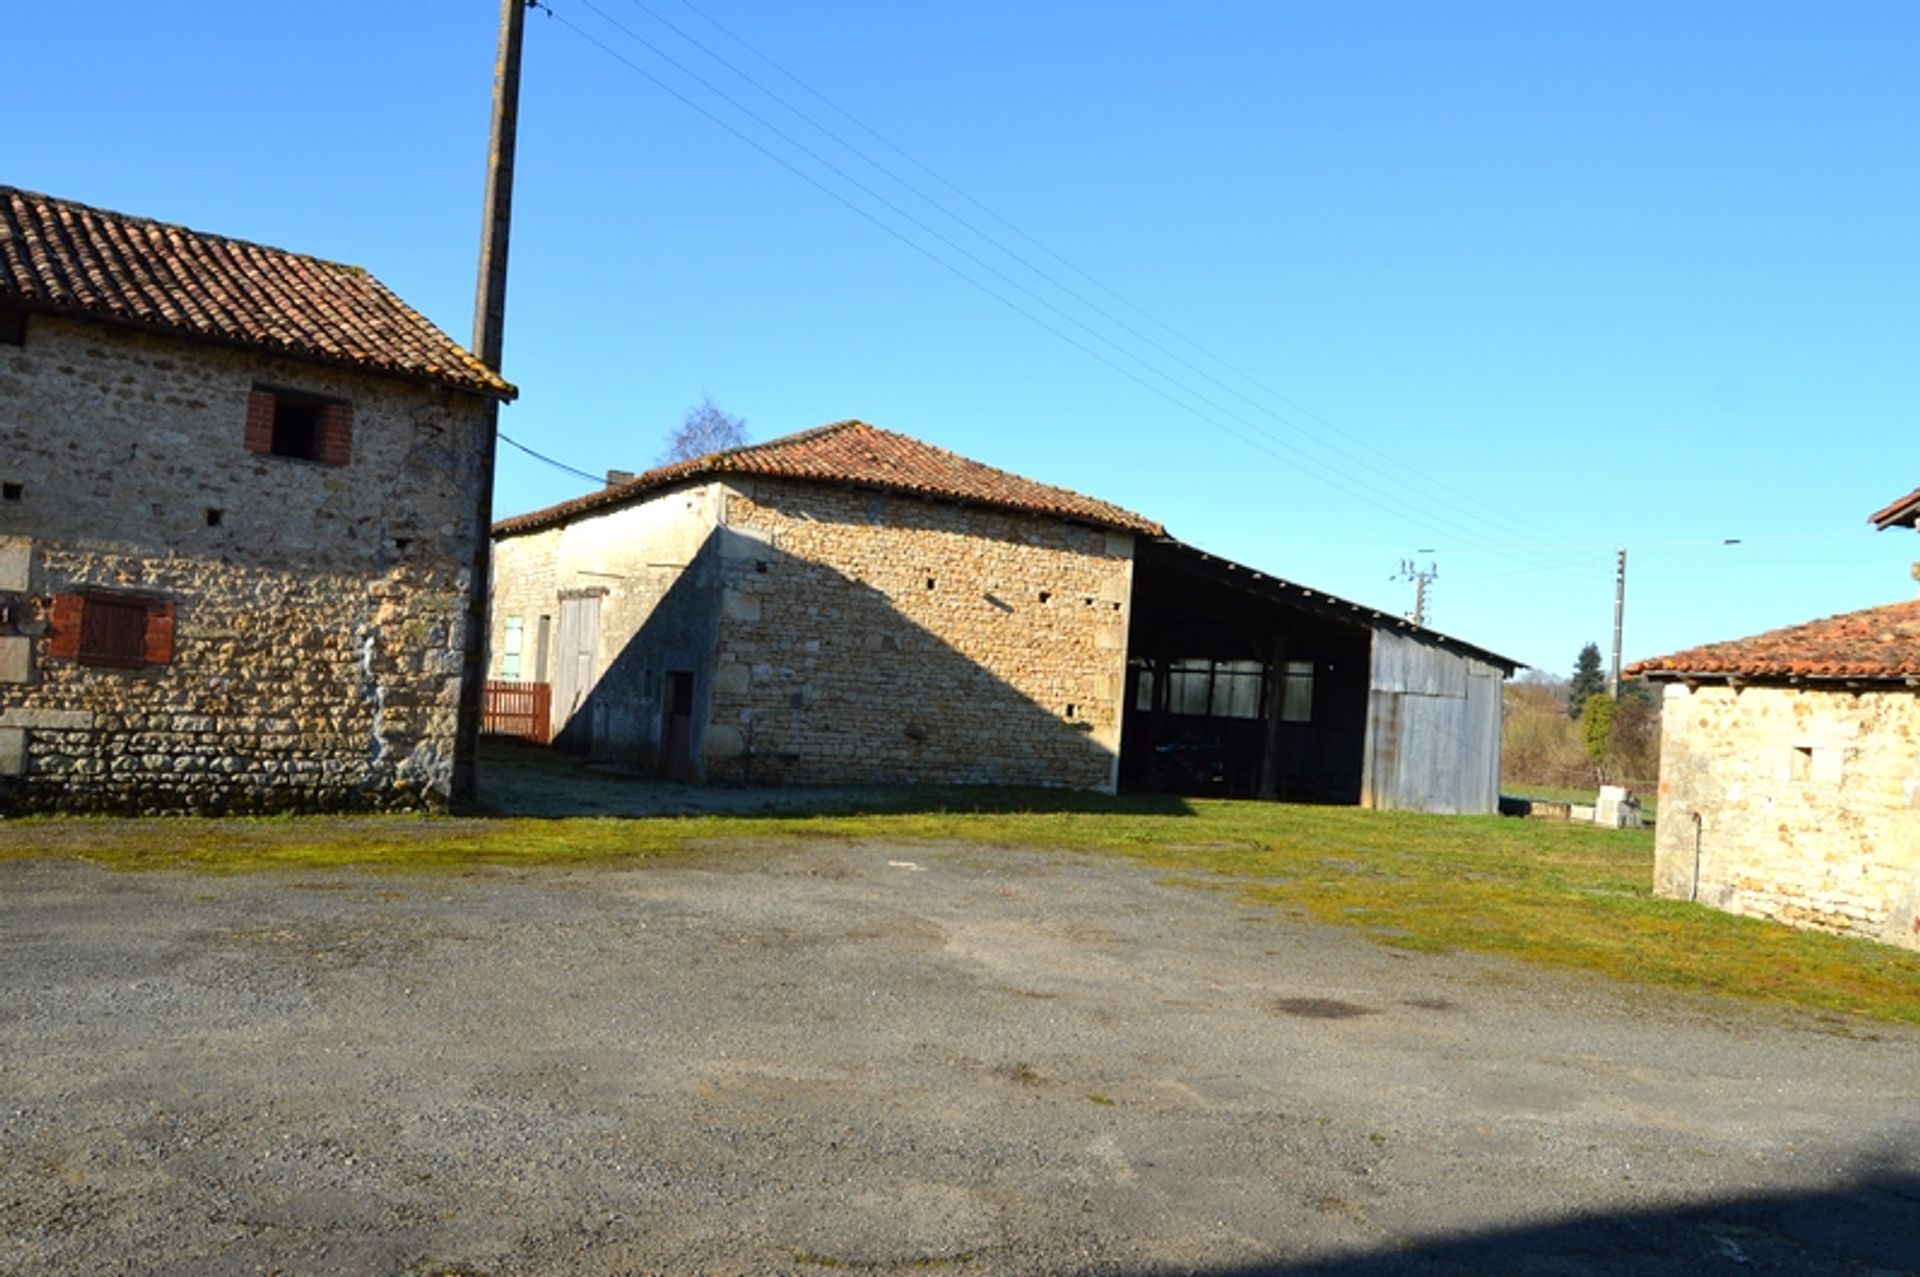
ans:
x=489 y=326
x=490 y=297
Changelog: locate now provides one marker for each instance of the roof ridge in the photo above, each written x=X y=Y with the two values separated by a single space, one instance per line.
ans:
x=782 y=441
x=885 y=460
x=71 y=258
x=142 y=219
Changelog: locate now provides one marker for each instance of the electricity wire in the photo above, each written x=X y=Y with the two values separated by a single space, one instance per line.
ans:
x=507 y=439
x=1506 y=525
x=1327 y=474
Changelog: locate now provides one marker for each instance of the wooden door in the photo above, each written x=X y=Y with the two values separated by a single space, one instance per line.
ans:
x=573 y=672
x=676 y=758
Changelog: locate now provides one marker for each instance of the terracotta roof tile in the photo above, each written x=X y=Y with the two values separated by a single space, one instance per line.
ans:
x=69 y=258
x=855 y=454
x=1904 y=513
x=1878 y=644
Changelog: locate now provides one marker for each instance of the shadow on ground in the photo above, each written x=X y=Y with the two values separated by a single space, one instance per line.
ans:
x=519 y=780
x=1867 y=1228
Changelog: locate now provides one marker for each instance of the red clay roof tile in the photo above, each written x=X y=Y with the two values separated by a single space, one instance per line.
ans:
x=1878 y=644
x=1904 y=513
x=855 y=454
x=70 y=258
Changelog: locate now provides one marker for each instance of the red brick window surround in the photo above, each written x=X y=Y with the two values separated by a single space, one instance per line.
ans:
x=119 y=631
x=305 y=427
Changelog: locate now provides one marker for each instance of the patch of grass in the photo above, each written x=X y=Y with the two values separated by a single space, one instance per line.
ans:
x=1540 y=891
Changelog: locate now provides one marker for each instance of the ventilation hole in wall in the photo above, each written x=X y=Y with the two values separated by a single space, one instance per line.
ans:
x=12 y=491
x=1045 y=595
x=215 y=517
x=401 y=543
x=1071 y=709
x=929 y=583
x=1089 y=600
x=1116 y=607
x=1800 y=763
x=760 y=566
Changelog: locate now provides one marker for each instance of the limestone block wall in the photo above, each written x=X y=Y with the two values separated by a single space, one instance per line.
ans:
x=318 y=610
x=654 y=609
x=865 y=637
x=1808 y=806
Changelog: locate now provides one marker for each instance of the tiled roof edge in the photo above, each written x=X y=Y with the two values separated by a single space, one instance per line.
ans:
x=719 y=464
x=474 y=379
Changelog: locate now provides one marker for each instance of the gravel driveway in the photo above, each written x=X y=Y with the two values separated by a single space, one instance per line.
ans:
x=889 y=1059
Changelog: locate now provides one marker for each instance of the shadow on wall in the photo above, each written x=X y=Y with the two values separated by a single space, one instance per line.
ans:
x=1867 y=1226
x=799 y=673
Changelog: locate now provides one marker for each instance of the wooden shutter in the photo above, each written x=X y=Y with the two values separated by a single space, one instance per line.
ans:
x=63 y=625
x=110 y=630
x=260 y=421
x=113 y=631
x=158 y=645
x=335 y=443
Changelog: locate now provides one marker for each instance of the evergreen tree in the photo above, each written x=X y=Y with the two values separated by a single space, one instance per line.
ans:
x=1596 y=729
x=1587 y=680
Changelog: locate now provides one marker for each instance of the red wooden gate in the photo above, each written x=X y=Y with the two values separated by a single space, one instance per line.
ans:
x=520 y=710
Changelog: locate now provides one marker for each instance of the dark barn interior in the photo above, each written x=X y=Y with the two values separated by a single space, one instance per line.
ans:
x=1241 y=685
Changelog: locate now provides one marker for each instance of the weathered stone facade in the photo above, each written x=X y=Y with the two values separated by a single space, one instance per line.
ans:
x=318 y=611
x=835 y=634
x=880 y=638
x=1799 y=804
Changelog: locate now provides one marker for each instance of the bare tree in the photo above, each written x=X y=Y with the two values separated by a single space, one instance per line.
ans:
x=706 y=428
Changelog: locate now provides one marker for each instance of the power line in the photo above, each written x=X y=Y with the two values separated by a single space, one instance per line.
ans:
x=1330 y=475
x=557 y=465
x=1489 y=519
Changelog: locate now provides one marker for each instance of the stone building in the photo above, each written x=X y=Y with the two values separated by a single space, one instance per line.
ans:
x=849 y=604
x=243 y=501
x=1789 y=777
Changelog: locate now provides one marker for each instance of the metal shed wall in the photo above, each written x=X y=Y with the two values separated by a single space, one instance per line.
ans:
x=1433 y=729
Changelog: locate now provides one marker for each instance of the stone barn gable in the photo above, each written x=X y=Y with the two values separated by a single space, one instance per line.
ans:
x=1790 y=774
x=243 y=503
x=844 y=604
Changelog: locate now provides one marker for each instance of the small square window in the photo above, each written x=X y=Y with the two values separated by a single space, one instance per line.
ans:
x=12 y=491
x=215 y=517
x=301 y=426
x=296 y=427
x=115 y=630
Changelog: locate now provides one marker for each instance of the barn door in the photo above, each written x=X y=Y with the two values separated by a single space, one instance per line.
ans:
x=573 y=672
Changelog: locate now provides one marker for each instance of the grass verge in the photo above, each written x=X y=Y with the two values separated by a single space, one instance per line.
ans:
x=1543 y=892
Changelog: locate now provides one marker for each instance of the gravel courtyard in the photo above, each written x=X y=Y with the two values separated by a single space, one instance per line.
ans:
x=889 y=1059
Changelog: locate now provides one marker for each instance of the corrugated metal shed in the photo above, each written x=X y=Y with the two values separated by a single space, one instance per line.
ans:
x=1433 y=729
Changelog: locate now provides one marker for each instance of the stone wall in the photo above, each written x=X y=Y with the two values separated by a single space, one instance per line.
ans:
x=1808 y=806
x=645 y=565
x=319 y=610
x=866 y=637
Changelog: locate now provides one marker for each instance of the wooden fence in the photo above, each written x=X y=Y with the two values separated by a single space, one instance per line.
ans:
x=521 y=710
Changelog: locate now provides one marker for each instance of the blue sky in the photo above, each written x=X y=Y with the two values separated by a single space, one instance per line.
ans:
x=1499 y=287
